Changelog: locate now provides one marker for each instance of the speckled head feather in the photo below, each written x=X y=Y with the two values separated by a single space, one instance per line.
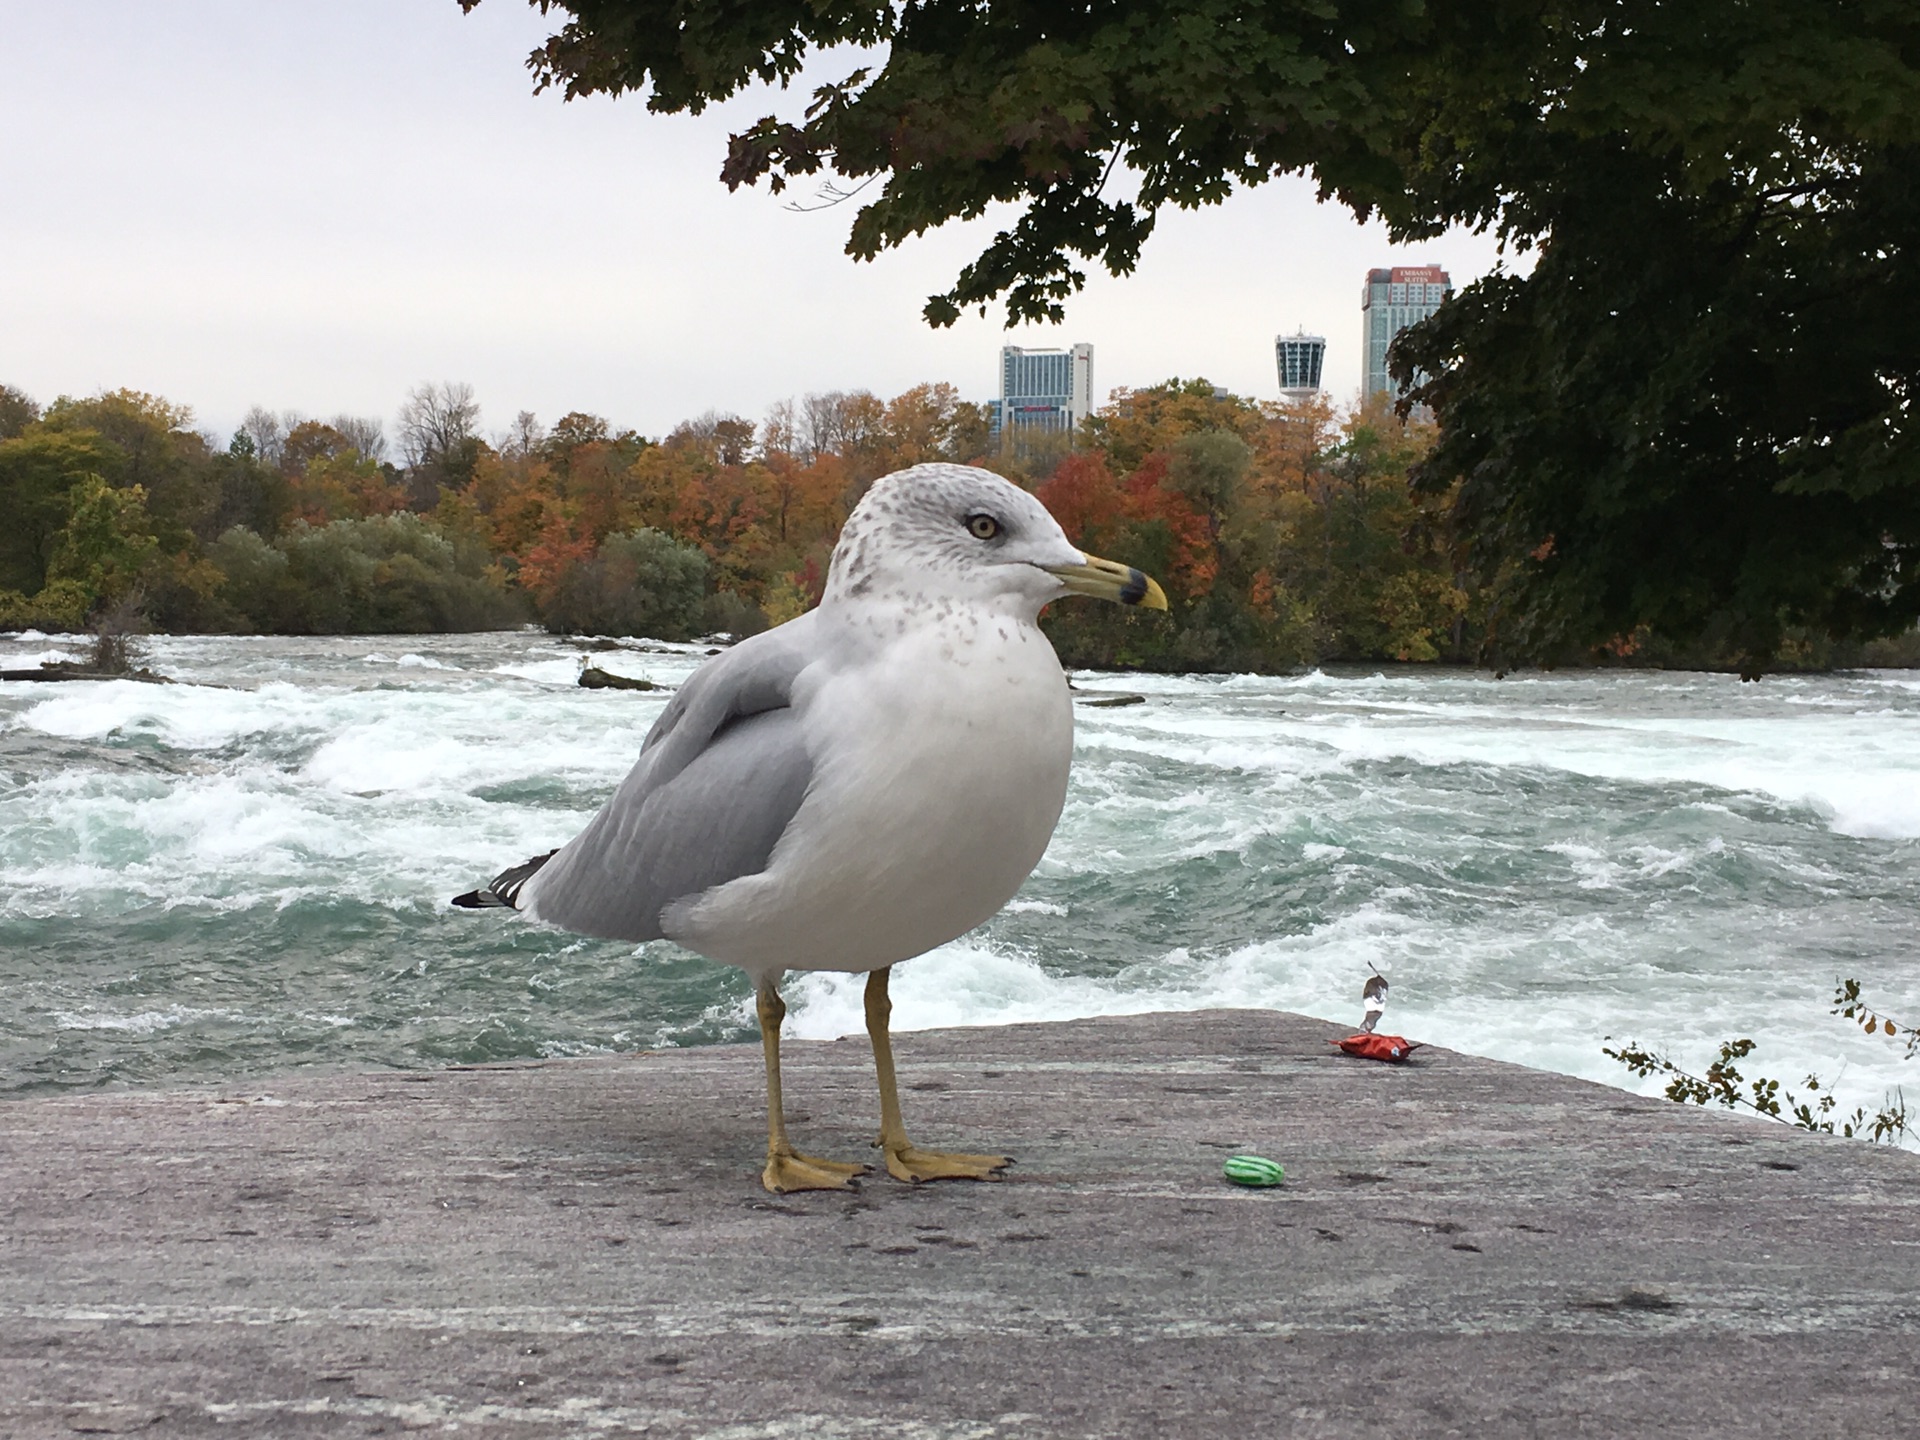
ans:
x=949 y=530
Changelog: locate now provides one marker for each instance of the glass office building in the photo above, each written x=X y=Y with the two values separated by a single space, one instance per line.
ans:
x=1044 y=389
x=1394 y=299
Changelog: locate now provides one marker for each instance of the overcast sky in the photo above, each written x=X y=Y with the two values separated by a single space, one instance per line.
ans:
x=315 y=207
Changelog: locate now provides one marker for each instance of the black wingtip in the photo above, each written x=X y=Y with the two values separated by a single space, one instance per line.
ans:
x=503 y=891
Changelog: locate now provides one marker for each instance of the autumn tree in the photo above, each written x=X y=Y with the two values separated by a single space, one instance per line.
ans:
x=250 y=493
x=344 y=485
x=932 y=422
x=17 y=411
x=366 y=435
x=572 y=432
x=780 y=431
x=524 y=436
x=159 y=450
x=439 y=439
x=722 y=439
x=435 y=420
x=310 y=440
x=1206 y=469
x=38 y=471
x=107 y=547
x=1135 y=423
x=1367 y=554
x=264 y=432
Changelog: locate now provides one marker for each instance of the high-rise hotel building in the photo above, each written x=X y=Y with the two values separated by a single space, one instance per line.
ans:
x=1044 y=389
x=1299 y=357
x=1394 y=299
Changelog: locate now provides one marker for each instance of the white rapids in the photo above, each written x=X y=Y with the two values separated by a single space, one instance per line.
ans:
x=231 y=877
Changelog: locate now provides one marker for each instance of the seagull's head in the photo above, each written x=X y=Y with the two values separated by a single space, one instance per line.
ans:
x=960 y=533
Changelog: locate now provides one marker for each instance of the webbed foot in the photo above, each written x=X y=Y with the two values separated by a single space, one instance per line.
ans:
x=789 y=1172
x=911 y=1163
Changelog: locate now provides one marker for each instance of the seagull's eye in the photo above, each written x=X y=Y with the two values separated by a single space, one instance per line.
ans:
x=982 y=527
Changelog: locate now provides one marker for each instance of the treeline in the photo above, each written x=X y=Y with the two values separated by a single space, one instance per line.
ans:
x=1285 y=535
x=308 y=526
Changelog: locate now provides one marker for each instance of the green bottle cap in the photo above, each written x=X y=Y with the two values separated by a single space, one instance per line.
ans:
x=1253 y=1170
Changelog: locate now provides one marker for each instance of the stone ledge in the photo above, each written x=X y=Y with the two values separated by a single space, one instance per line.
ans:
x=581 y=1247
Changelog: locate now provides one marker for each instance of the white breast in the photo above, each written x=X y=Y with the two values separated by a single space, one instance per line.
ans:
x=941 y=761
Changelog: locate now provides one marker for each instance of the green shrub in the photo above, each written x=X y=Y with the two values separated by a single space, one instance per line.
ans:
x=643 y=582
x=388 y=574
x=61 y=606
x=731 y=613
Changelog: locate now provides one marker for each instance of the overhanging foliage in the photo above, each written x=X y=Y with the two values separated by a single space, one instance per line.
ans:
x=1692 y=416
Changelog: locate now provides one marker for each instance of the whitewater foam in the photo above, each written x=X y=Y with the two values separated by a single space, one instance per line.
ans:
x=208 y=880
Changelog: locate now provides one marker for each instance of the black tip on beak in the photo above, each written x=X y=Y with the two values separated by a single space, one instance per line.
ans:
x=1135 y=590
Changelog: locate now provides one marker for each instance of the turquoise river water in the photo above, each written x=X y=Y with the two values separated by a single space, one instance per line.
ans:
x=249 y=872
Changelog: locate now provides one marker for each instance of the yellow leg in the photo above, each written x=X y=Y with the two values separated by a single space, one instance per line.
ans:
x=786 y=1168
x=905 y=1160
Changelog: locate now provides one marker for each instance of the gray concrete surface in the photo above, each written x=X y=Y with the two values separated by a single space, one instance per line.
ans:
x=580 y=1248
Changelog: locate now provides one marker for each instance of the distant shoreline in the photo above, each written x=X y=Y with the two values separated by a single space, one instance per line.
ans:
x=1902 y=654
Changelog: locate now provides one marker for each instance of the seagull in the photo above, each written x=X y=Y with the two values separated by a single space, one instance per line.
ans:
x=1373 y=998
x=857 y=786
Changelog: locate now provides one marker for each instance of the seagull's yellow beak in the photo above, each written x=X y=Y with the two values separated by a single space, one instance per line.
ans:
x=1106 y=580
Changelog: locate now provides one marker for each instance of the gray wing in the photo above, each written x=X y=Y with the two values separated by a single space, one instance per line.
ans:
x=721 y=774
